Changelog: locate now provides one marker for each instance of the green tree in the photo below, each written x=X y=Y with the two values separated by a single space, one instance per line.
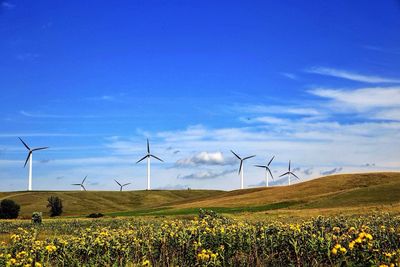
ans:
x=55 y=205
x=9 y=209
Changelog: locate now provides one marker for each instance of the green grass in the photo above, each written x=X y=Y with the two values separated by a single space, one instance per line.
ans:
x=335 y=193
x=168 y=211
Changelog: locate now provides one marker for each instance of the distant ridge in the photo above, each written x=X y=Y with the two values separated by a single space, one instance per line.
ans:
x=329 y=192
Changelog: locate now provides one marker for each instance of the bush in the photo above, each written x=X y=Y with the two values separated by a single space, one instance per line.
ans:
x=37 y=217
x=55 y=205
x=95 y=215
x=9 y=209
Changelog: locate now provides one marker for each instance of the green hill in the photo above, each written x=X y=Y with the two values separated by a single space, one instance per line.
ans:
x=336 y=192
x=83 y=203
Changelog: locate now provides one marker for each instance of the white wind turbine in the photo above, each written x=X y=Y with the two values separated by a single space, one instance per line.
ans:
x=148 y=156
x=121 y=185
x=267 y=170
x=289 y=172
x=241 y=167
x=29 y=157
x=81 y=184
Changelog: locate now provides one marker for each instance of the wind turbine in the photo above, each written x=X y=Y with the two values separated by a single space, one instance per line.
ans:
x=290 y=173
x=241 y=167
x=29 y=157
x=121 y=185
x=81 y=184
x=267 y=170
x=148 y=156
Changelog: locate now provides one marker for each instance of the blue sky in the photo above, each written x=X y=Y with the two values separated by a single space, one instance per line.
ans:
x=315 y=82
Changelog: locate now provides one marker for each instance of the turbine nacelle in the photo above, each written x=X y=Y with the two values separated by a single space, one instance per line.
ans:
x=81 y=184
x=266 y=167
x=148 y=157
x=121 y=185
x=289 y=172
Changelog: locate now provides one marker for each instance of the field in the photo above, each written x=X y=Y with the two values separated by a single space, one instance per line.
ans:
x=207 y=240
x=278 y=226
x=330 y=195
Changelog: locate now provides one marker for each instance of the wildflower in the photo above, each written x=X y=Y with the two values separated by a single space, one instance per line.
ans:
x=146 y=263
x=51 y=248
x=334 y=251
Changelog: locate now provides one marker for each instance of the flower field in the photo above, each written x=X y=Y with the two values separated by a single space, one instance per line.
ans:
x=207 y=240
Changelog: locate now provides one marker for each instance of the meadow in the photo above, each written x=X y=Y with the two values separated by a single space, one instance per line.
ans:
x=277 y=226
x=208 y=239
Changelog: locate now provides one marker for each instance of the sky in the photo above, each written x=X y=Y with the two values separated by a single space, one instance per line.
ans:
x=314 y=82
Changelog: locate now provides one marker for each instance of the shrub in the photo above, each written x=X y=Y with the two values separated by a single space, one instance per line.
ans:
x=55 y=205
x=37 y=217
x=95 y=215
x=9 y=209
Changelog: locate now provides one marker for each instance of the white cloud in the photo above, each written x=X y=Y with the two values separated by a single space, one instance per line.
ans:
x=289 y=75
x=273 y=109
x=54 y=116
x=204 y=158
x=205 y=174
x=351 y=75
x=363 y=98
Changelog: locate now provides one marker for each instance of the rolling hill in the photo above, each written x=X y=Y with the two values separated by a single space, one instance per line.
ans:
x=336 y=192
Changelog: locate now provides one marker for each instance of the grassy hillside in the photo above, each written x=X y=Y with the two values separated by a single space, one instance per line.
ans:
x=83 y=203
x=339 y=193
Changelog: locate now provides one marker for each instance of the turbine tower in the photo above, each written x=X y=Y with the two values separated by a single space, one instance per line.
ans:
x=121 y=185
x=148 y=156
x=241 y=167
x=267 y=170
x=81 y=184
x=29 y=157
x=289 y=172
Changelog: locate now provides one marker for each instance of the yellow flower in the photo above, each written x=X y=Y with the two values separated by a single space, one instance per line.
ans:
x=351 y=245
x=51 y=248
x=334 y=251
x=146 y=263
x=343 y=250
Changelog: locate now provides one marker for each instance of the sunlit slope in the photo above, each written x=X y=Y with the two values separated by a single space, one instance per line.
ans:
x=81 y=203
x=325 y=192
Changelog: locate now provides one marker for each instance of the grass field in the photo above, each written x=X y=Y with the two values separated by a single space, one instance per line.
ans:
x=330 y=195
x=277 y=226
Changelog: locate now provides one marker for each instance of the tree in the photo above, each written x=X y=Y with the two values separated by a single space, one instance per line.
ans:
x=55 y=205
x=9 y=209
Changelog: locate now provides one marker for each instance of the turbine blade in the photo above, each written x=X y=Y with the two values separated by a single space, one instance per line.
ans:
x=75 y=184
x=27 y=158
x=236 y=155
x=268 y=169
x=286 y=173
x=126 y=184
x=142 y=159
x=84 y=179
x=249 y=157
x=270 y=160
x=148 y=146
x=240 y=167
x=117 y=182
x=289 y=165
x=83 y=187
x=295 y=175
x=40 y=148
x=27 y=147
x=261 y=166
x=156 y=158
